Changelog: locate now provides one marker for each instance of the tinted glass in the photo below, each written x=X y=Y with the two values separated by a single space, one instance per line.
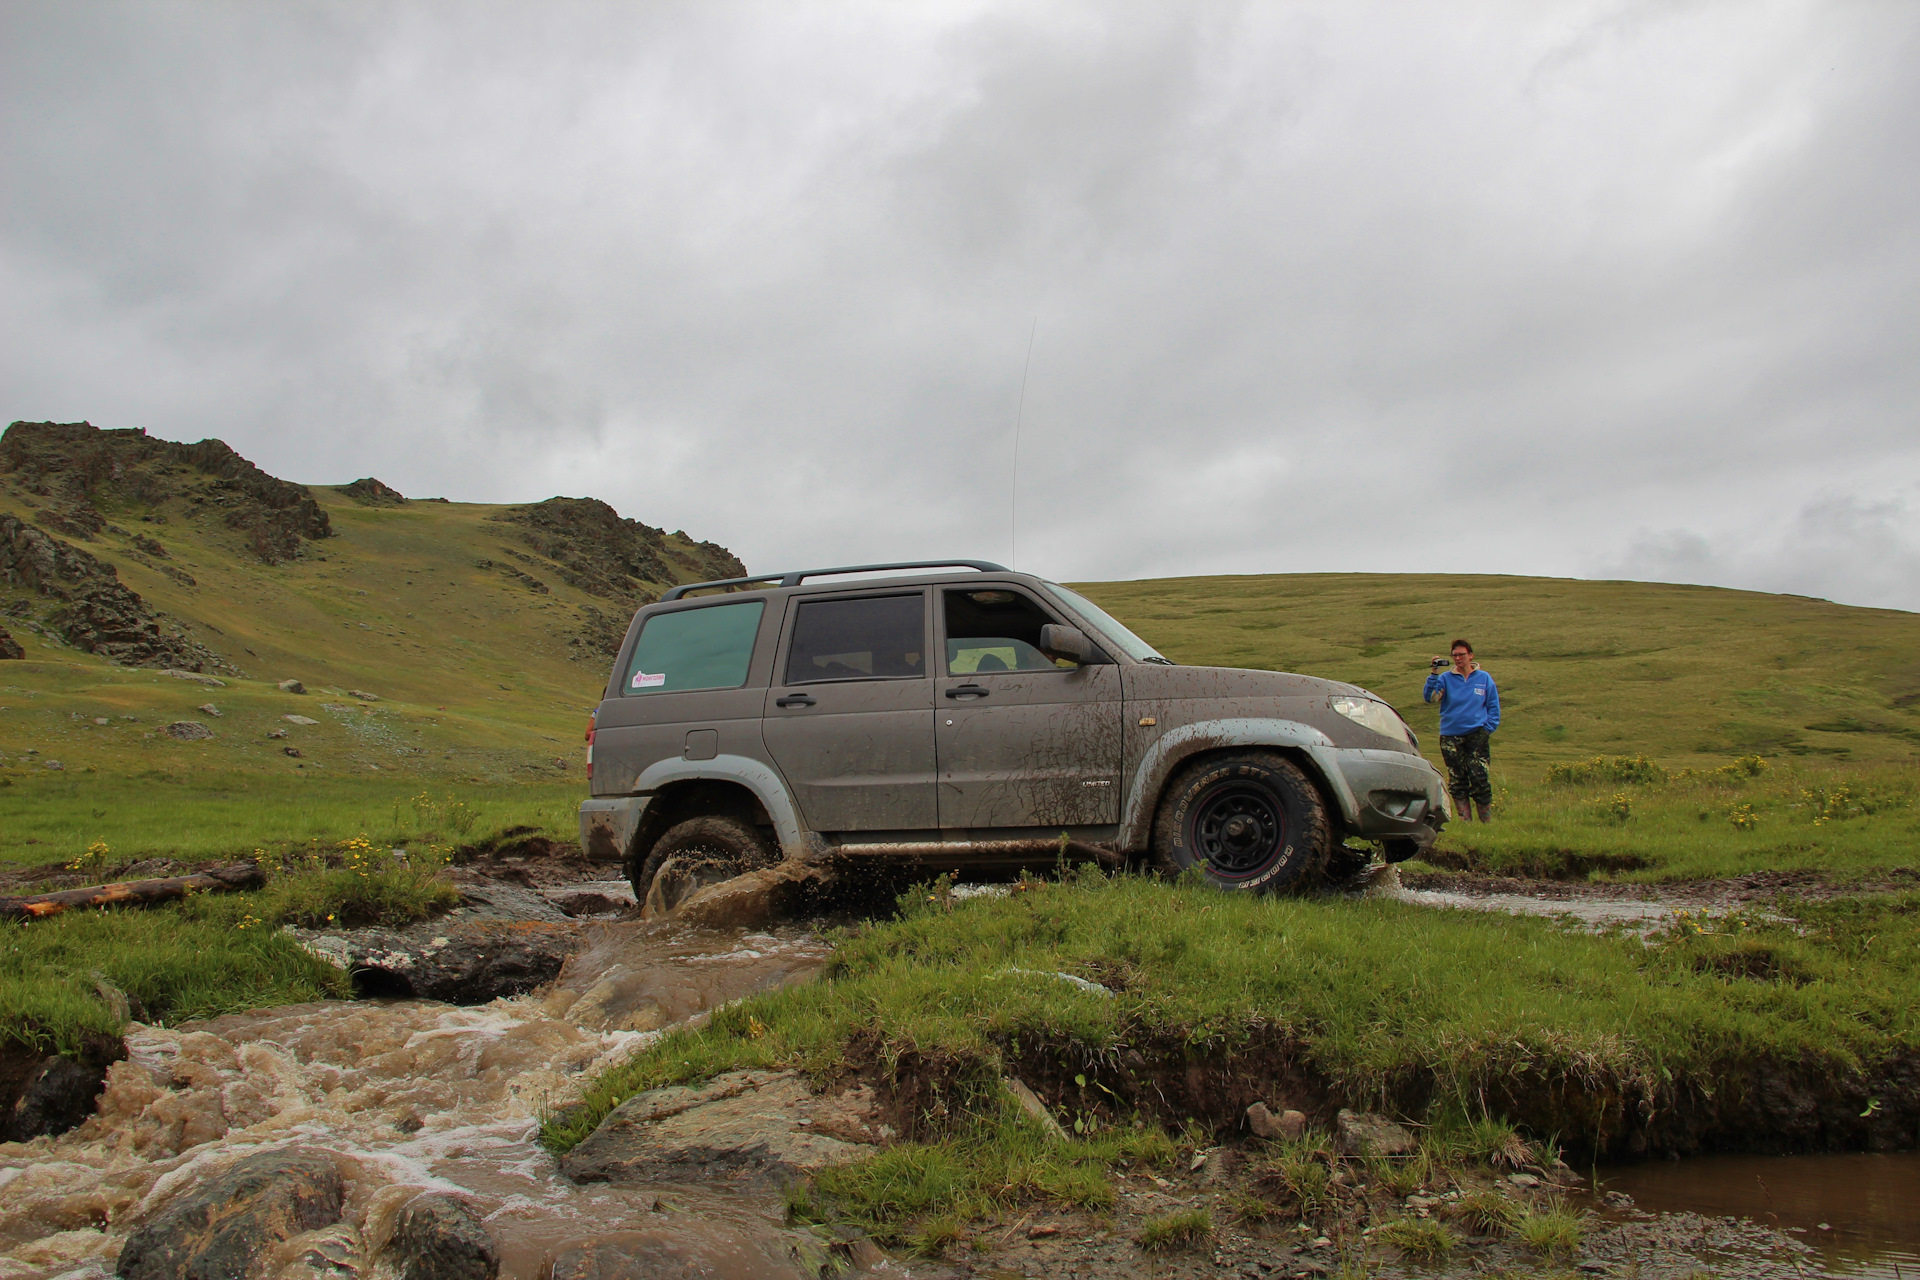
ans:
x=992 y=630
x=870 y=638
x=695 y=649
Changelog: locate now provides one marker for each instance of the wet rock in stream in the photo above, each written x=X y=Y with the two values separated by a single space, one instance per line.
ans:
x=56 y=1096
x=215 y=1230
x=438 y=1238
x=457 y=964
x=742 y=1127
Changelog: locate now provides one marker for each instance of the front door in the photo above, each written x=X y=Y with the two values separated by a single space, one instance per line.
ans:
x=1021 y=741
x=849 y=719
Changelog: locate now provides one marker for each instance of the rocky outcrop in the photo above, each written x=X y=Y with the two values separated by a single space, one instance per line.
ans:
x=369 y=492
x=215 y=1230
x=95 y=611
x=438 y=1238
x=743 y=1128
x=9 y=647
x=77 y=464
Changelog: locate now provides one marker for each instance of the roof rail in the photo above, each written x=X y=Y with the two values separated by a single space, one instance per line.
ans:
x=794 y=579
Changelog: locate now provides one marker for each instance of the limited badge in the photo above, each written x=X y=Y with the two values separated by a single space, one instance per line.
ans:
x=641 y=680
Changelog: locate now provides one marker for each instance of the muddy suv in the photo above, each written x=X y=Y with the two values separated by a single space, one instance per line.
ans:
x=977 y=718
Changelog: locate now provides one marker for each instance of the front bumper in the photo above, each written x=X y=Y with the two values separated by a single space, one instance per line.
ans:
x=1395 y=796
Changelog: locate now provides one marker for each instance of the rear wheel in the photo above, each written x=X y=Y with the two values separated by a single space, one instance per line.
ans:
x=1249 y=822
x=699 y=852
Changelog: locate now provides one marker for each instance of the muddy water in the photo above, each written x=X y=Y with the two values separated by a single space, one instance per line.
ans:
x=1860 y=1211
x=410 y=1096
x=1637 y=914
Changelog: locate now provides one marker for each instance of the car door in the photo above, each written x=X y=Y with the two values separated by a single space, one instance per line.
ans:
x=1020 y=740
x=849 y=717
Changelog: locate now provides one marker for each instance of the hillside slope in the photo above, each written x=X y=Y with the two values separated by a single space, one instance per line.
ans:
x=1690 y=674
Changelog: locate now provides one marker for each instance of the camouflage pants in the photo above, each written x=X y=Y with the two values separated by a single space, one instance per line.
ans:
x=1468 y=756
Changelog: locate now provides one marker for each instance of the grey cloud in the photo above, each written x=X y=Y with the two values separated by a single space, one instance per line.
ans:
x=1316 y=287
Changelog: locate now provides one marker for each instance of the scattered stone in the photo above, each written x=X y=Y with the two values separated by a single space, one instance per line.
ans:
x=51 y=764
x=1523 y=1180
x=216 y=1229
x=209 y=709
x=290 y=751
x=438 y=1238
x=212 y=682
x=361 y=695
x=291 y=686
x=752 y=1127
x=58 y=1096
x=276 y=733
x=1288 y=1126
x=1371 y=1136
x=187 y=731
x=1030 y=1103
x=299 y=720
x=104 y=720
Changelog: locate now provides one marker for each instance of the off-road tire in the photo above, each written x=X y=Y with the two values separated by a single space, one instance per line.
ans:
x=1343 y=864
x=729 y=843
x=1249 y=822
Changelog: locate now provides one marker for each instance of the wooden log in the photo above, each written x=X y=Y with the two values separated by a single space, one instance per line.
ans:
x=241 y=875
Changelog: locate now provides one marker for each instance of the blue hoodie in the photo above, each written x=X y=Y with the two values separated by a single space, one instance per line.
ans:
x=1470 y=702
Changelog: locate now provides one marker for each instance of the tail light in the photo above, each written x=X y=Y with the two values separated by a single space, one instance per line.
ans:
x=590 y=723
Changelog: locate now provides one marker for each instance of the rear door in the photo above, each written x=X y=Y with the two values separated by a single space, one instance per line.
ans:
x=849 y=716
x=1020 y=741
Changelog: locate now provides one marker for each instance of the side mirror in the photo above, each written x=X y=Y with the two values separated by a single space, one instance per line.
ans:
x=1071 y=643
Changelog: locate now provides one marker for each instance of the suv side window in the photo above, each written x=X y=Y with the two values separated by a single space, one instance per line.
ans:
x=994 y=629
x=865 y=638
x=704 y=648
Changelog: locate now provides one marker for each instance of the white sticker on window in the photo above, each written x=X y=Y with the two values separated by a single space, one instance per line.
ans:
x=641 y=680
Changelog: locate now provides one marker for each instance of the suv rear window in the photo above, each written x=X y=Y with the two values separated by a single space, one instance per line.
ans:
x=867 y=638
x=706 y=648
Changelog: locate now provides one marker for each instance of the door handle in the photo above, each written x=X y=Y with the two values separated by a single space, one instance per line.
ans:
x=794 y=700
x=968 y=691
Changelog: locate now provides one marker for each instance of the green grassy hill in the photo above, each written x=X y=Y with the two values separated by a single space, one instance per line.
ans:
x=484 y=633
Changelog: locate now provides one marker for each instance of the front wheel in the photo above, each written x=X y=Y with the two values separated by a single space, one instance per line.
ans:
x=1249 y=822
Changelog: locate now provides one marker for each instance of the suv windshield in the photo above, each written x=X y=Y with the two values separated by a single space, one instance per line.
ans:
x=1109 y=627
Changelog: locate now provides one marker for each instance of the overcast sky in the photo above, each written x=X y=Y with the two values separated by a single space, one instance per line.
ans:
x=1583 y=289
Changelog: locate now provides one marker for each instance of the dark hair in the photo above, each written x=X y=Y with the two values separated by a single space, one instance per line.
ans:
x=1460 y=644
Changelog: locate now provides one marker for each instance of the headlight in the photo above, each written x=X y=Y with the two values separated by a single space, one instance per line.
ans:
x=1377 y=716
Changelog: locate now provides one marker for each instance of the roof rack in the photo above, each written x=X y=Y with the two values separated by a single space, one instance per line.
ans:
x=796 y=578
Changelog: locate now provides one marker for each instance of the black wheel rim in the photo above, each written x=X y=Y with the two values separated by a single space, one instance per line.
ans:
x=1238 y=828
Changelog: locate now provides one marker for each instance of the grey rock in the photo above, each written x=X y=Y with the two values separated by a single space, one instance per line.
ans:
x=361 y=695
x=187 y=731
x=51 y=764
x=215 y=1231
x=438 y=1238
x=745 y=1127
x=459 y=963
x=276 y=733
x=291 y=686
x=1372 y=1136
x=58 y=1096
x=209 y=709
x=299 y=720
x=498 y=901
x=1031 y=1104
x=212 y=682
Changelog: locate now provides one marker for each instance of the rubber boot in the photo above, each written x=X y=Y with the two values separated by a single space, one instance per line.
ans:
x=1486 y=812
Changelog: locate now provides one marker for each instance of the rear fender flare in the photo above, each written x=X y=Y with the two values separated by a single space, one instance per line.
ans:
x=766 y=786
x=1176 y=746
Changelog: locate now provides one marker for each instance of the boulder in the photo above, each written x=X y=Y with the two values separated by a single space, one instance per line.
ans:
x=299 y=720
x=1371 y=1136
x=216 y=1229
x=187 y=731
x=9 y=647
x=209 y=709
x=361 y=695
x=438 y=1238
x=291 y=686
x=460 y=963
x=58 y=1096
x=743 y=1128
x=1288 y=1126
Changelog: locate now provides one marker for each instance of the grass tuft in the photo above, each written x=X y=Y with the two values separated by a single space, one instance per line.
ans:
x=1420 y=1238
x=1175 y=1230
x=1487 y=1213
x=1553 y=1230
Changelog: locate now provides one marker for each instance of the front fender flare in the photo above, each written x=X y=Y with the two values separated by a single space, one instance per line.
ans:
x=1176 y=746
x=767 y=787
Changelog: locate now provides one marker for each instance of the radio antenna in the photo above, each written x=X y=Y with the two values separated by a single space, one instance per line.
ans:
x=1013 y=503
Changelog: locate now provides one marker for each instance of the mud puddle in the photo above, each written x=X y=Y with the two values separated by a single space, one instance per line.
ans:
x=411 y=1096
x=1592 y=908
x=1859 y=1212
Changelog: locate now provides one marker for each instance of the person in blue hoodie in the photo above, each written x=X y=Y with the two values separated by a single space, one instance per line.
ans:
x=1469 y=713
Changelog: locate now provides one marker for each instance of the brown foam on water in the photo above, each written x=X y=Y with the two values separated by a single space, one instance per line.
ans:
x=409 y=1096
